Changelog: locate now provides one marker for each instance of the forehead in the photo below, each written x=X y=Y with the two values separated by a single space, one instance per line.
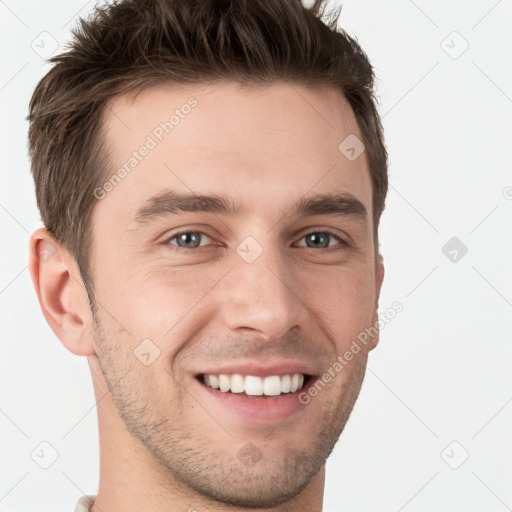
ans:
x=264 y=145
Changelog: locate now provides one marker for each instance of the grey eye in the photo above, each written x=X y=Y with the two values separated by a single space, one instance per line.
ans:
x=188 y=240
x=320 y=239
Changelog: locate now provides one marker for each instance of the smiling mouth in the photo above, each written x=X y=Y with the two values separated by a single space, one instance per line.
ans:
x=253 y=386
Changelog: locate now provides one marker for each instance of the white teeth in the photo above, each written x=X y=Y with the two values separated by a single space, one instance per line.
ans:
x=214 y=381
x=237 y=383
x=295 y=383
x=224 y=383
x=286 y=383
x=253 y=385
x=272 y=385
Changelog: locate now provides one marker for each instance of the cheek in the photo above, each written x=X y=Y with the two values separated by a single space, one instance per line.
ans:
x=343 y=300
x=165 y=305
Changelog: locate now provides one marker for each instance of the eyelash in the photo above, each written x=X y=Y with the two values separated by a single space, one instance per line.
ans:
x=342 y=242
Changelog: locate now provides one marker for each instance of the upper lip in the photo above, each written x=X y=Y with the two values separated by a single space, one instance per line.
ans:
x=260 y=369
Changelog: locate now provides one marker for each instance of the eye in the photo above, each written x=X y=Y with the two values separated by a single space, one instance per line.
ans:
x=314 y=240
x=321 y=239
x=188 y=239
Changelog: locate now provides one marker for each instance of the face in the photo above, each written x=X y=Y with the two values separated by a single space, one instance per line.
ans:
x=233 y=253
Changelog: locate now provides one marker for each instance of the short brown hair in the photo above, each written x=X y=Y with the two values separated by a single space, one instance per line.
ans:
x=130 y=45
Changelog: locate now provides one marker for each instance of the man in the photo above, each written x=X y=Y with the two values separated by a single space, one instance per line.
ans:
x=211 y=177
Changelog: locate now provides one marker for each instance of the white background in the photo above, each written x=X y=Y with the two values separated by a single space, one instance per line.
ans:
x=442 y=371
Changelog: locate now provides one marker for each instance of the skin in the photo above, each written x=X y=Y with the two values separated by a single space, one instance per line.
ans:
x=164 y=446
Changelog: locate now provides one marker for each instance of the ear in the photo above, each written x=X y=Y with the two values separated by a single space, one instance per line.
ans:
x=379 y=277
x=61 y=293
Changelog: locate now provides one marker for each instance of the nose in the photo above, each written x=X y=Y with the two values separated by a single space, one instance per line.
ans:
x=263 y=296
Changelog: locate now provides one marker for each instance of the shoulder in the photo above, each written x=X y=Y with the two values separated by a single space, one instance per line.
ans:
x=84 y=503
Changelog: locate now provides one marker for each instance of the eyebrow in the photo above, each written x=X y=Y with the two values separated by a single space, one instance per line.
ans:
x=173 y=203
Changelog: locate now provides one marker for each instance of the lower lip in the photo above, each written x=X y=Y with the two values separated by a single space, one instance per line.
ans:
x=271 y=408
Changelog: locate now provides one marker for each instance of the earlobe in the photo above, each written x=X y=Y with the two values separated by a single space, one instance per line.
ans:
x=61 y=293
